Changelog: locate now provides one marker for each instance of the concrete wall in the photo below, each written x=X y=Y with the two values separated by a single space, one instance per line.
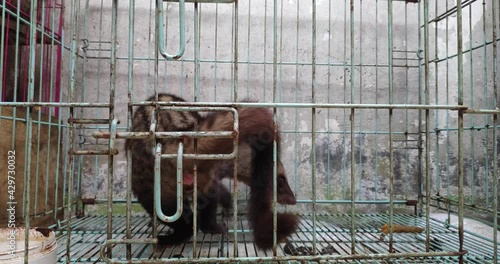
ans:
x=370 y=84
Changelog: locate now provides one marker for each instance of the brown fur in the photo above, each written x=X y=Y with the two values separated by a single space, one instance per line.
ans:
x=256 y=133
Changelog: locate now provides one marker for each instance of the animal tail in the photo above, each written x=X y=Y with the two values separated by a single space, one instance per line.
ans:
x=260 y=203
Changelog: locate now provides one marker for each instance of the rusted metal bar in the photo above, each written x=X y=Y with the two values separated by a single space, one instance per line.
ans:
x=204 y=106
x=201 y=156
x=93 y=152
x=267 y=259
x=88 y=121
x=170 y=134
x=454 y=202
x=482 y=111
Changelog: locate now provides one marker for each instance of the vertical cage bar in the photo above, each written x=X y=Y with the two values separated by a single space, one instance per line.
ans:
x=78 y=207
x=235 y=96
x=448 y=143
x=405 y=173
x=485 y=96
x=460 y=131
x=51 y=91
x=97 y=112
x=391 y=150
x=419 y=167
x=352 y=117
x=29 y=124
x=328 y=192
x=275 y=80
x=436 y=98
x=130 y=112
x=265 y=51
x=2 y=54
x=112 y=85
x=427 y=133
x=495 y=189
x=471 y=105
x=376 y=100
x=197 y=25
x=73 y=55
x=296 y=127
x=40 y=85
x=313 y=124
x=360 y=124
x=344 y=119
x=353 y=188
x=496 y=141
x=235 y=52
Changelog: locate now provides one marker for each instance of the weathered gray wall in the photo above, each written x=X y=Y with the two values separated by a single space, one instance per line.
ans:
x=294 y=84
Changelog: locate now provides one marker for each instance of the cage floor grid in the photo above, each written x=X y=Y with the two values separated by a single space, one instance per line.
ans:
x=332 y=234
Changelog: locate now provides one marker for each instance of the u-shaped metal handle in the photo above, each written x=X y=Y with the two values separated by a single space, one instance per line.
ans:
x=160 y=34
x=180 y=190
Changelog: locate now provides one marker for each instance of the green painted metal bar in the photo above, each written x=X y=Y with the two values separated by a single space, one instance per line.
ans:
x=495 y=174
x=2 y=48
x=161 y=35
x=376 y=179
x=485 y=92
x=419 y=167
x=37 y=162
x=407 y=148
x=265 y=52
x=235 y=52
x=451 y=11
x=360 y=124
x=53 y=104
x=328 y=190
x=180 y=189
x=471 y=94
x=72 y=74
x=275 y=147
x=58 y=154
x=313 y=125
x=236 y=124
x=351 y=119
x=197 y=33
x=19 y=18
x=285 y=131
x=216 y=45
x=495 y=190
x=468 y=50
x=427 y=120
x=391 y=100
x=49 y=132
x=436 y=98
x=377 y=202
x=29 y=129
x=16 y=77
x=291 y=63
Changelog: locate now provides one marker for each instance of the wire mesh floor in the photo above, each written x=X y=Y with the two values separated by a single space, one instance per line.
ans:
x=333 y=237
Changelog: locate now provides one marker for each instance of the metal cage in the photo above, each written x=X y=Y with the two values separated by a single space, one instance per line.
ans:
x=388 y=112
